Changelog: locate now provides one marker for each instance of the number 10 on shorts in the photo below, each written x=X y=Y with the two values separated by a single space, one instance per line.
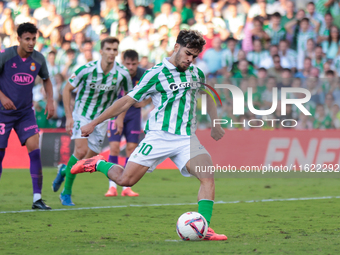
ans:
x=146 y=149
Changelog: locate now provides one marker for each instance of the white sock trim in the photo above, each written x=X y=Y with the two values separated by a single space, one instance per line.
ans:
x=98 y=162
x=36 y=197
x=112 y=184
x=206 y=200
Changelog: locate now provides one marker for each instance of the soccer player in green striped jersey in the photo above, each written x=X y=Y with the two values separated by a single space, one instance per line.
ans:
x=170 y=130
x=98 y=84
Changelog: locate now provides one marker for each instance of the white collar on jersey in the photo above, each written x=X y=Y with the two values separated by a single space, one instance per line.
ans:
x=100 y=70
x=168 y=64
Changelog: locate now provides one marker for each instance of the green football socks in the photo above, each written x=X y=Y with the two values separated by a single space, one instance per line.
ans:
x=205 y=207
x=104 y=167
x=69 y=177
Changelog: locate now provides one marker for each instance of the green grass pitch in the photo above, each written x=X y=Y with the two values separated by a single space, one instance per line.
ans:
x=277 y=227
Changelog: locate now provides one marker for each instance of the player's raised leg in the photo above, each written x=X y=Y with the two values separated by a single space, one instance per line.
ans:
x=206 y=193
x=32 y=144
x=123 y=177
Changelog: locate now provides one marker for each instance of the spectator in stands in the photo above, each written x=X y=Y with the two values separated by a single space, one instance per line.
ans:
x=10 y=35
x=318 y=60
x=110 y=12
x=48 y=24
x=213 y=58
x=230 y=54
x=262 y=79
x=312 y=14
x=277 y=70
x=53 y=69
x=304 y=35
x=328 y=103
x=16 y=6
x=260 y=8
x=200 y=24
x=165 y=17
x=325 y=28
x=209 y=37
x=94 y=30
x=136 y=21
x=331 y=46
x=205 y=5
x=322 y=120
x=43 y=11
x=87 y=54
x=218 y=22
x=335 y=116
x=274 y=29
x=70 y=63
x=312 y=84
x=286 y=53
x=304 y=122
x=120 y=29
x=24 y=16
x=4 y=15
x=159 y=53
x=242 y=73
x=186 y=13
x=267 y=94
x=221 y=7
x=307 y=66
x=268 y=62
x=134 y=42
x=257 y=54
x=80 y=23
x=74 y=9
x=258 y=32
x=235 y=22
x=290 y=13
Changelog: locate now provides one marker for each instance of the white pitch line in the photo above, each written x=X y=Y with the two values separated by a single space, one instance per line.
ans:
x=152 y=205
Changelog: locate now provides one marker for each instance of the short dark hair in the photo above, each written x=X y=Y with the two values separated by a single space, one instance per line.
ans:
x=26 y=27
x=52 y=52
x=72 y=51
x=262 y=69
x=191 y=39
x=131 y=54
x=330 y=72
x=276 y=15
x=108 y=40
x=231 y=39
x=305 y=19
x=87 y=41
x=287 y=70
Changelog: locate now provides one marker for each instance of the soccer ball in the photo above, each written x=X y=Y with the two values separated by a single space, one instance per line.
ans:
x=192 y=226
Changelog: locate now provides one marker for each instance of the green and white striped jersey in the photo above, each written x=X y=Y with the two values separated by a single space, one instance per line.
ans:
x=97 y=91
x=257 y=57
x=173 y=95
x=275 y=35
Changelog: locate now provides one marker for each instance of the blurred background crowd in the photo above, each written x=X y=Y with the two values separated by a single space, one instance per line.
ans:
x=259 y=44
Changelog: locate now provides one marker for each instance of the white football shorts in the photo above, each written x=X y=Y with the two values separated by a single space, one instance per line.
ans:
x=96 y=138
x=160 y=145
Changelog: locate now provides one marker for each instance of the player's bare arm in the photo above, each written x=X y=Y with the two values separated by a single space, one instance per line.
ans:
x=144 y=103
x=49 y=94
x=6 y=102
x=121 y=105
x=217 y=132
x=68 y=111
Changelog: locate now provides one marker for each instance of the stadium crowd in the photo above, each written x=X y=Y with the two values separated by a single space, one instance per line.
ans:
x=259 y=44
